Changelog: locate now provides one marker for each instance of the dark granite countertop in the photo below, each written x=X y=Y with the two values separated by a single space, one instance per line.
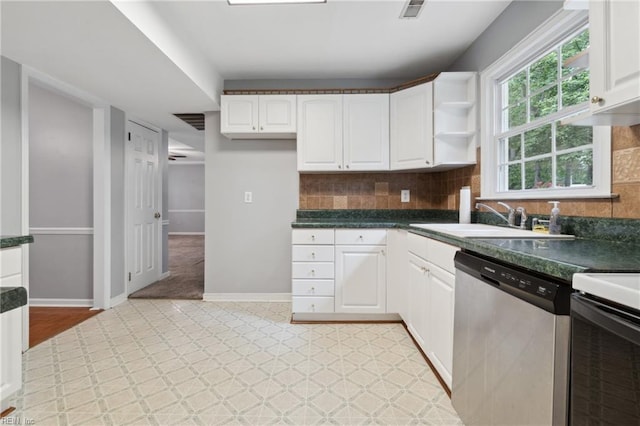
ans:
x=12 y=298
x=14 y=240
x=556 y=258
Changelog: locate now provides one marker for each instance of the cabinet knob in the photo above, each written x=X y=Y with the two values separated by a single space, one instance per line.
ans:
x=313 y=289
x=313 y=307
x=313 y=238
x=261 y=128
x=347 y=166
x=339 y=166
x=360 y=237
x=427 y=162
x=313 y=255
x=254 y=127
x=424 y=270
x=313 y=272
x=596 y=100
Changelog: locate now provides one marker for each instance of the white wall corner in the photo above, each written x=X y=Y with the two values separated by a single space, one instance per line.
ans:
x=121 y=298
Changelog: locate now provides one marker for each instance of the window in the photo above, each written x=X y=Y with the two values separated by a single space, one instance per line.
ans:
x=528 y=92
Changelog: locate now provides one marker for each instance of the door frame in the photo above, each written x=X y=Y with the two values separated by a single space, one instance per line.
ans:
x=101 y=185
x=127 y=207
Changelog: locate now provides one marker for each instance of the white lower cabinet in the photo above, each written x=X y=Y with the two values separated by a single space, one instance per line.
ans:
x=397 y=273
x=361 y=279
x=339 y=271
x=431 y=300
x=312 y=270
x=418 y=299
x=440 y=321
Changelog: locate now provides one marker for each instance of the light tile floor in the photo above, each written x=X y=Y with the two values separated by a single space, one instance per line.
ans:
x=179 y=362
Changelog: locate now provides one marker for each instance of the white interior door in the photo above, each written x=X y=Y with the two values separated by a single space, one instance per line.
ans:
x=143 y=194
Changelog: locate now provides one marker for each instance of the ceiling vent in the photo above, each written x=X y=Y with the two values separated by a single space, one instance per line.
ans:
x=412 y=9
x=195 y=120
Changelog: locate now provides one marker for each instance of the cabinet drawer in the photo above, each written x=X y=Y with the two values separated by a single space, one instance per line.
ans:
x=310 y=270
x=312 y=236
x=418 y=245
x=312 y=253
x=441 y=254
x=361 y=236
x=312 y=288
x=10 y=261
x=312 y=304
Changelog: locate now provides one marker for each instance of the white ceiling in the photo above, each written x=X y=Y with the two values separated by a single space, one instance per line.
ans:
x=153 y=59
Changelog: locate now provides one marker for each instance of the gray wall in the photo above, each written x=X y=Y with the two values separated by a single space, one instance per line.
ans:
x=517 y=21
x=186 y=192
x=118 y=242
x=10 y=150
x=248 y=246
x=60 y=195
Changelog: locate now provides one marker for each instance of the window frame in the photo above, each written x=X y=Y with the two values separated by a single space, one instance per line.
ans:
x=560 y=26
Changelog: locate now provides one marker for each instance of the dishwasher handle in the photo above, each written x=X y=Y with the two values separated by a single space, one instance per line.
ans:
x=619 y=322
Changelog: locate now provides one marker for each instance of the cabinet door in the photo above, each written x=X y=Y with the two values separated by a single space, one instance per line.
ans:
x=239 y=114
x=397 y=273
x=366 y=132
x=411 y=123
x=360 y=279
x=440 y=321
x=319 y=132
x=615 y=55
x=10 y=354
x=277 y=113
x=418 y=299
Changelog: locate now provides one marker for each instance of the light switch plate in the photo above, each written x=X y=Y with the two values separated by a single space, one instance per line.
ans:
x=248 y=197
x=405 y=196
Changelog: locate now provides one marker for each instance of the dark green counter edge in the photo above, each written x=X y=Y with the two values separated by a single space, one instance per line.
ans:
x=12 y=298
x=601 y=245
x=12 y=241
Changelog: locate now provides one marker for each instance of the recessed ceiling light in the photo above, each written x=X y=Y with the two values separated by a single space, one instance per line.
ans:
x=258 y=2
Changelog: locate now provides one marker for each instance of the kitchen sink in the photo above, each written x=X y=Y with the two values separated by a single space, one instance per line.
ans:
x=480 y=230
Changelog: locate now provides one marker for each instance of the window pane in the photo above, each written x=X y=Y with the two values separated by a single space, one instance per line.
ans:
x=514 y=176
x=573 y=47
x=537 y=141
x=517 y=115
x=544 y=103
x=544 y=71
x=537 y=174
x=575 y=169
x=515 y=148
x=575 y=90
x=573 y=136
x=517 y=87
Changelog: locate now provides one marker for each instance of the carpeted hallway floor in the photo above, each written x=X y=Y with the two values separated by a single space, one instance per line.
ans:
x=186 y=265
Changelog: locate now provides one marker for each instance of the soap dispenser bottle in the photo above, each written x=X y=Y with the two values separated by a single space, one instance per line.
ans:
x=554 y=219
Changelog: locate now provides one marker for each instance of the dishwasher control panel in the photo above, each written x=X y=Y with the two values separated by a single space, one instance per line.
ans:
x=544 y=292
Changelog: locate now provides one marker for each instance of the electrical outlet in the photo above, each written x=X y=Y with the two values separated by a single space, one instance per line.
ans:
x=405 y=196
x=248 y=197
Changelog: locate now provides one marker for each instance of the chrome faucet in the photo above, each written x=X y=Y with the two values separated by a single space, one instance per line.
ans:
x=511 y=214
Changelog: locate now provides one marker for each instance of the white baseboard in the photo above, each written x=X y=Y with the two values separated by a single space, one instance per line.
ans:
x=62 y=303
x=246 y=297
x=115 y=301
x=186 y=233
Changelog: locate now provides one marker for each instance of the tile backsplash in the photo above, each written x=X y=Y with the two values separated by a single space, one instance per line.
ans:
x=441 y=190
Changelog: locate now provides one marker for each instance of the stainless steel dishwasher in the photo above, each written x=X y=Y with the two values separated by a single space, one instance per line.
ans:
x=510 y=345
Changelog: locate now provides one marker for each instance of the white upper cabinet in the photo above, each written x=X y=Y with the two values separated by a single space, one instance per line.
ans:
x=258 y=116
x=366 y=132
x=319 y=132
x=343 y=132
x=411 y=123
x=433 y=125
x=614 y=60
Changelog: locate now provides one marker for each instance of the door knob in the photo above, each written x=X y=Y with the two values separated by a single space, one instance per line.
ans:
x=157 y=215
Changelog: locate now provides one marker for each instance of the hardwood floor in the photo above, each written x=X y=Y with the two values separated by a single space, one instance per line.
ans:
x=44 y=323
